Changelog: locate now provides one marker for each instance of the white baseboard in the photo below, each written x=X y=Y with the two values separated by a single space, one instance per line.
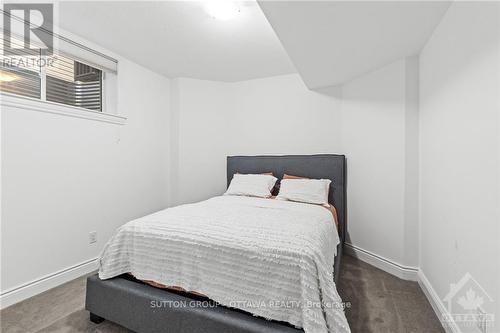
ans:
x=387 y=265
x=35 y=287
x=436 y=303
x=406 y=273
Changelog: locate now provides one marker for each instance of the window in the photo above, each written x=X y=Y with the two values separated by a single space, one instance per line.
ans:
x=66 y=81
x=16 y=74
x=74 y=83
x=73 y=75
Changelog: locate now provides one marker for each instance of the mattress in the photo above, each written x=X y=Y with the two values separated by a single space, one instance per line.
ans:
x=271 y=258
x=170 y=286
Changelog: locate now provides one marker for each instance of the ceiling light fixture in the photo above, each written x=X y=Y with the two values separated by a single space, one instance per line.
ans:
x=222 y=9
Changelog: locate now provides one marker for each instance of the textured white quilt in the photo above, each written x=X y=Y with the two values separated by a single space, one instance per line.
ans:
x=271 y=258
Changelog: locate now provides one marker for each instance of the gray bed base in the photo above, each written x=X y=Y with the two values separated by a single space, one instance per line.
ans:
x=145 y=309
x=142 y=308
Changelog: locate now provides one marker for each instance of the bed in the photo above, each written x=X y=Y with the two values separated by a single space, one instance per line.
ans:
x=216 y=257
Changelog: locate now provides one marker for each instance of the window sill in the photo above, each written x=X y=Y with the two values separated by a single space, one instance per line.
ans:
x=7 y=100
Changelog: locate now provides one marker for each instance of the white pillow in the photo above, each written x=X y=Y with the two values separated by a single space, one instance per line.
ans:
x=251 y=185
x=314 y=191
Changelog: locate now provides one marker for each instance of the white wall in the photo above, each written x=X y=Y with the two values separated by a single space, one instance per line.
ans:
x=277 y=115
x=63 y=177
x=378 y=136
x=204 y=111
x=459 y=131
x=412 y=153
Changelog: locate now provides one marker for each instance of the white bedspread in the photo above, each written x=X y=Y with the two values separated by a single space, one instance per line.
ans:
x=271 y=258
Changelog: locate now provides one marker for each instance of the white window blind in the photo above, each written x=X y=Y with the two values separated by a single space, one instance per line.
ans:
x=74 y=83
x=73 y=75
x=15 y=78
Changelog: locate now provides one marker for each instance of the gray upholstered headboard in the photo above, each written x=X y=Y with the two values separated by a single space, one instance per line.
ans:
x=325 y=166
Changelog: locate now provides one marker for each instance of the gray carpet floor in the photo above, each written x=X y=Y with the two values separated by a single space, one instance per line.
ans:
x=379 y=302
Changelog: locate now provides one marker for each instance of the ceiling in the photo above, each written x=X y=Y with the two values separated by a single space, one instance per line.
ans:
x=331 y=42
x=180 y=39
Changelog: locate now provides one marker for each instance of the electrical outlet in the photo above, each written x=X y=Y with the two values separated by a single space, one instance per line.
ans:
x=481 y=320
x=92 y=237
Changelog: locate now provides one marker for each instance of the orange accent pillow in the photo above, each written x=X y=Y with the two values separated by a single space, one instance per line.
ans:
x=264 y=173
x=285 y=176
